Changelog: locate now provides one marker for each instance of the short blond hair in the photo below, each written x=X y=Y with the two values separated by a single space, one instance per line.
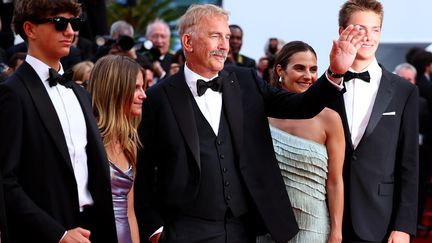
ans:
x=194 y=15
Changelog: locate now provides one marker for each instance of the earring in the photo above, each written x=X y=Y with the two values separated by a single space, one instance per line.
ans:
x=280 y=79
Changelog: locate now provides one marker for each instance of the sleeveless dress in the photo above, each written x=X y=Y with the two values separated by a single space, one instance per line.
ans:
x=303 y=165
x=121 y=184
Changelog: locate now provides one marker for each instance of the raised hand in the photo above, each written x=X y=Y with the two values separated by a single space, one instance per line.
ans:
x=344 y=50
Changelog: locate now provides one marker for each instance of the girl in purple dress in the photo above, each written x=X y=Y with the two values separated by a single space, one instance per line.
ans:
x=117 y=89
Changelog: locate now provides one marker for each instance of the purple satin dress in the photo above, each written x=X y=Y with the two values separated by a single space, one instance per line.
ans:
x=121 y=184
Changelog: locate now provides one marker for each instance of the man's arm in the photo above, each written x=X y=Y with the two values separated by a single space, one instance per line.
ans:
x=407 y=169
x=19 y=206
x=325 y=90
x=146 y=211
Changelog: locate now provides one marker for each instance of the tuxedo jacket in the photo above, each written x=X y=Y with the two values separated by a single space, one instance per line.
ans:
x=381 y=174
x=244 y=62
x=38 y=180
x=168 y=169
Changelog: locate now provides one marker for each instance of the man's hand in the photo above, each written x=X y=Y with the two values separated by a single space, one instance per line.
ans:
x=76 y=235
x=398 y=237
x=158 y=70
x=344 y=50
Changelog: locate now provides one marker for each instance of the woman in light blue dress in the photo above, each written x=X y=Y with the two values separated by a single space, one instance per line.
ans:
x=310 y=153
x=117 y=89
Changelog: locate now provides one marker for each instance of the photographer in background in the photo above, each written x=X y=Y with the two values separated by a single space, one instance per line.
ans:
x=111 y=44
x=158 y=32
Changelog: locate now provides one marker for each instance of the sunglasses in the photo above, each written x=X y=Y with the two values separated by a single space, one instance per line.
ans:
x=61 y=23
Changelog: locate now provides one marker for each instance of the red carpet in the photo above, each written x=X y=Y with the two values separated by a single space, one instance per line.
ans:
x=425 y=236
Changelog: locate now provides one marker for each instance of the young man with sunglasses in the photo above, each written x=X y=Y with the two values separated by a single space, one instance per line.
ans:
x=55 y=175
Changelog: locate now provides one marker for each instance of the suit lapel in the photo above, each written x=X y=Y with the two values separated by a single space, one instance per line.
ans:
x=180 y=99
x=45 y=108
x=382 y=100
x=340 y=108
x=233 y=106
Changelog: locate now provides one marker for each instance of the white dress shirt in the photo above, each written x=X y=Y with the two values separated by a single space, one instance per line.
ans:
x=73 y=125
x=210 y=103
x=359 y=100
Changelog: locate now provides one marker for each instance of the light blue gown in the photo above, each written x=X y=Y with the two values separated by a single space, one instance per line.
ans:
x=303 y=165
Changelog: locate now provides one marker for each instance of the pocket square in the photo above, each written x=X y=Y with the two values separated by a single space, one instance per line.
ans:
x=391 y=113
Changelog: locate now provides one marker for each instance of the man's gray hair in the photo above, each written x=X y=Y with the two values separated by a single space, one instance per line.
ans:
x=121 y=27
x=157 y=21
x=404 y=66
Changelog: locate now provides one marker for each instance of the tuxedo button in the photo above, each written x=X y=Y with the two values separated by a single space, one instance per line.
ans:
x=221 y=156
x=227 y=183
x=354 y=157
x=224 y=170
x=228 y=197
x=219 y=142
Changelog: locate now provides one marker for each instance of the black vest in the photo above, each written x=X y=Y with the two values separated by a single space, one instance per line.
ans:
x=220 y=185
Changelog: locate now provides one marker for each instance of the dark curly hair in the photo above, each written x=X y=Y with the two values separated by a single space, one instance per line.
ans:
x=31 y=10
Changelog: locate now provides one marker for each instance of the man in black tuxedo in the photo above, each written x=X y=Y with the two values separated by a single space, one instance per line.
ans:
x=55 y=172
x=236 y=42
x=379 y=111
x=409 y=72
x=207 y=171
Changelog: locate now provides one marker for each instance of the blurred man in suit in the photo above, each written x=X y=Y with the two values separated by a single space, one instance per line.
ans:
x=236 y=42
x=159 y=33
x=408 y=72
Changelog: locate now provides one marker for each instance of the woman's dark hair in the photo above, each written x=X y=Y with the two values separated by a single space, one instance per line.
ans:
x=284 y=55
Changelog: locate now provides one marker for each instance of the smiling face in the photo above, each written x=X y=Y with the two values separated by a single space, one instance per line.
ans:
x=207 y=46
x=370 y=22
x=300 y=73
x=139 y=96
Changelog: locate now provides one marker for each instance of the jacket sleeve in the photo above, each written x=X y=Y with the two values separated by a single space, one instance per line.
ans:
x=407 y=168
x=19 y=206
x=147 y=213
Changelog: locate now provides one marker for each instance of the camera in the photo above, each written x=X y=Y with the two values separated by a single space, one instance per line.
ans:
x=124 y=42
x=145 y=47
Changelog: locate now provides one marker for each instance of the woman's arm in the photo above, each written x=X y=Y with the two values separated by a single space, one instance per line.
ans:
x=131 y=217
x=335 y=144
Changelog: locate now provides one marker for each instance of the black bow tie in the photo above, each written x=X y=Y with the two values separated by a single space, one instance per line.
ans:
x=214 y=84
x=363 y=76
x=55 y=78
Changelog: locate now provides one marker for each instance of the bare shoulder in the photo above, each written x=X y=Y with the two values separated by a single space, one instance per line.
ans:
x=330 y=118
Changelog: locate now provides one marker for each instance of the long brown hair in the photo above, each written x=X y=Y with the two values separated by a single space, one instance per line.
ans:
x=112 y=86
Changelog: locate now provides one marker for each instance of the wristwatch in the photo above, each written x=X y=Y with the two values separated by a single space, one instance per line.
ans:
x=334 y=75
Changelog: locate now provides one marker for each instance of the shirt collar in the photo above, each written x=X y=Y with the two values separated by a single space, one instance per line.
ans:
x=192 y=77
x=40 y=67
x=374 y=70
